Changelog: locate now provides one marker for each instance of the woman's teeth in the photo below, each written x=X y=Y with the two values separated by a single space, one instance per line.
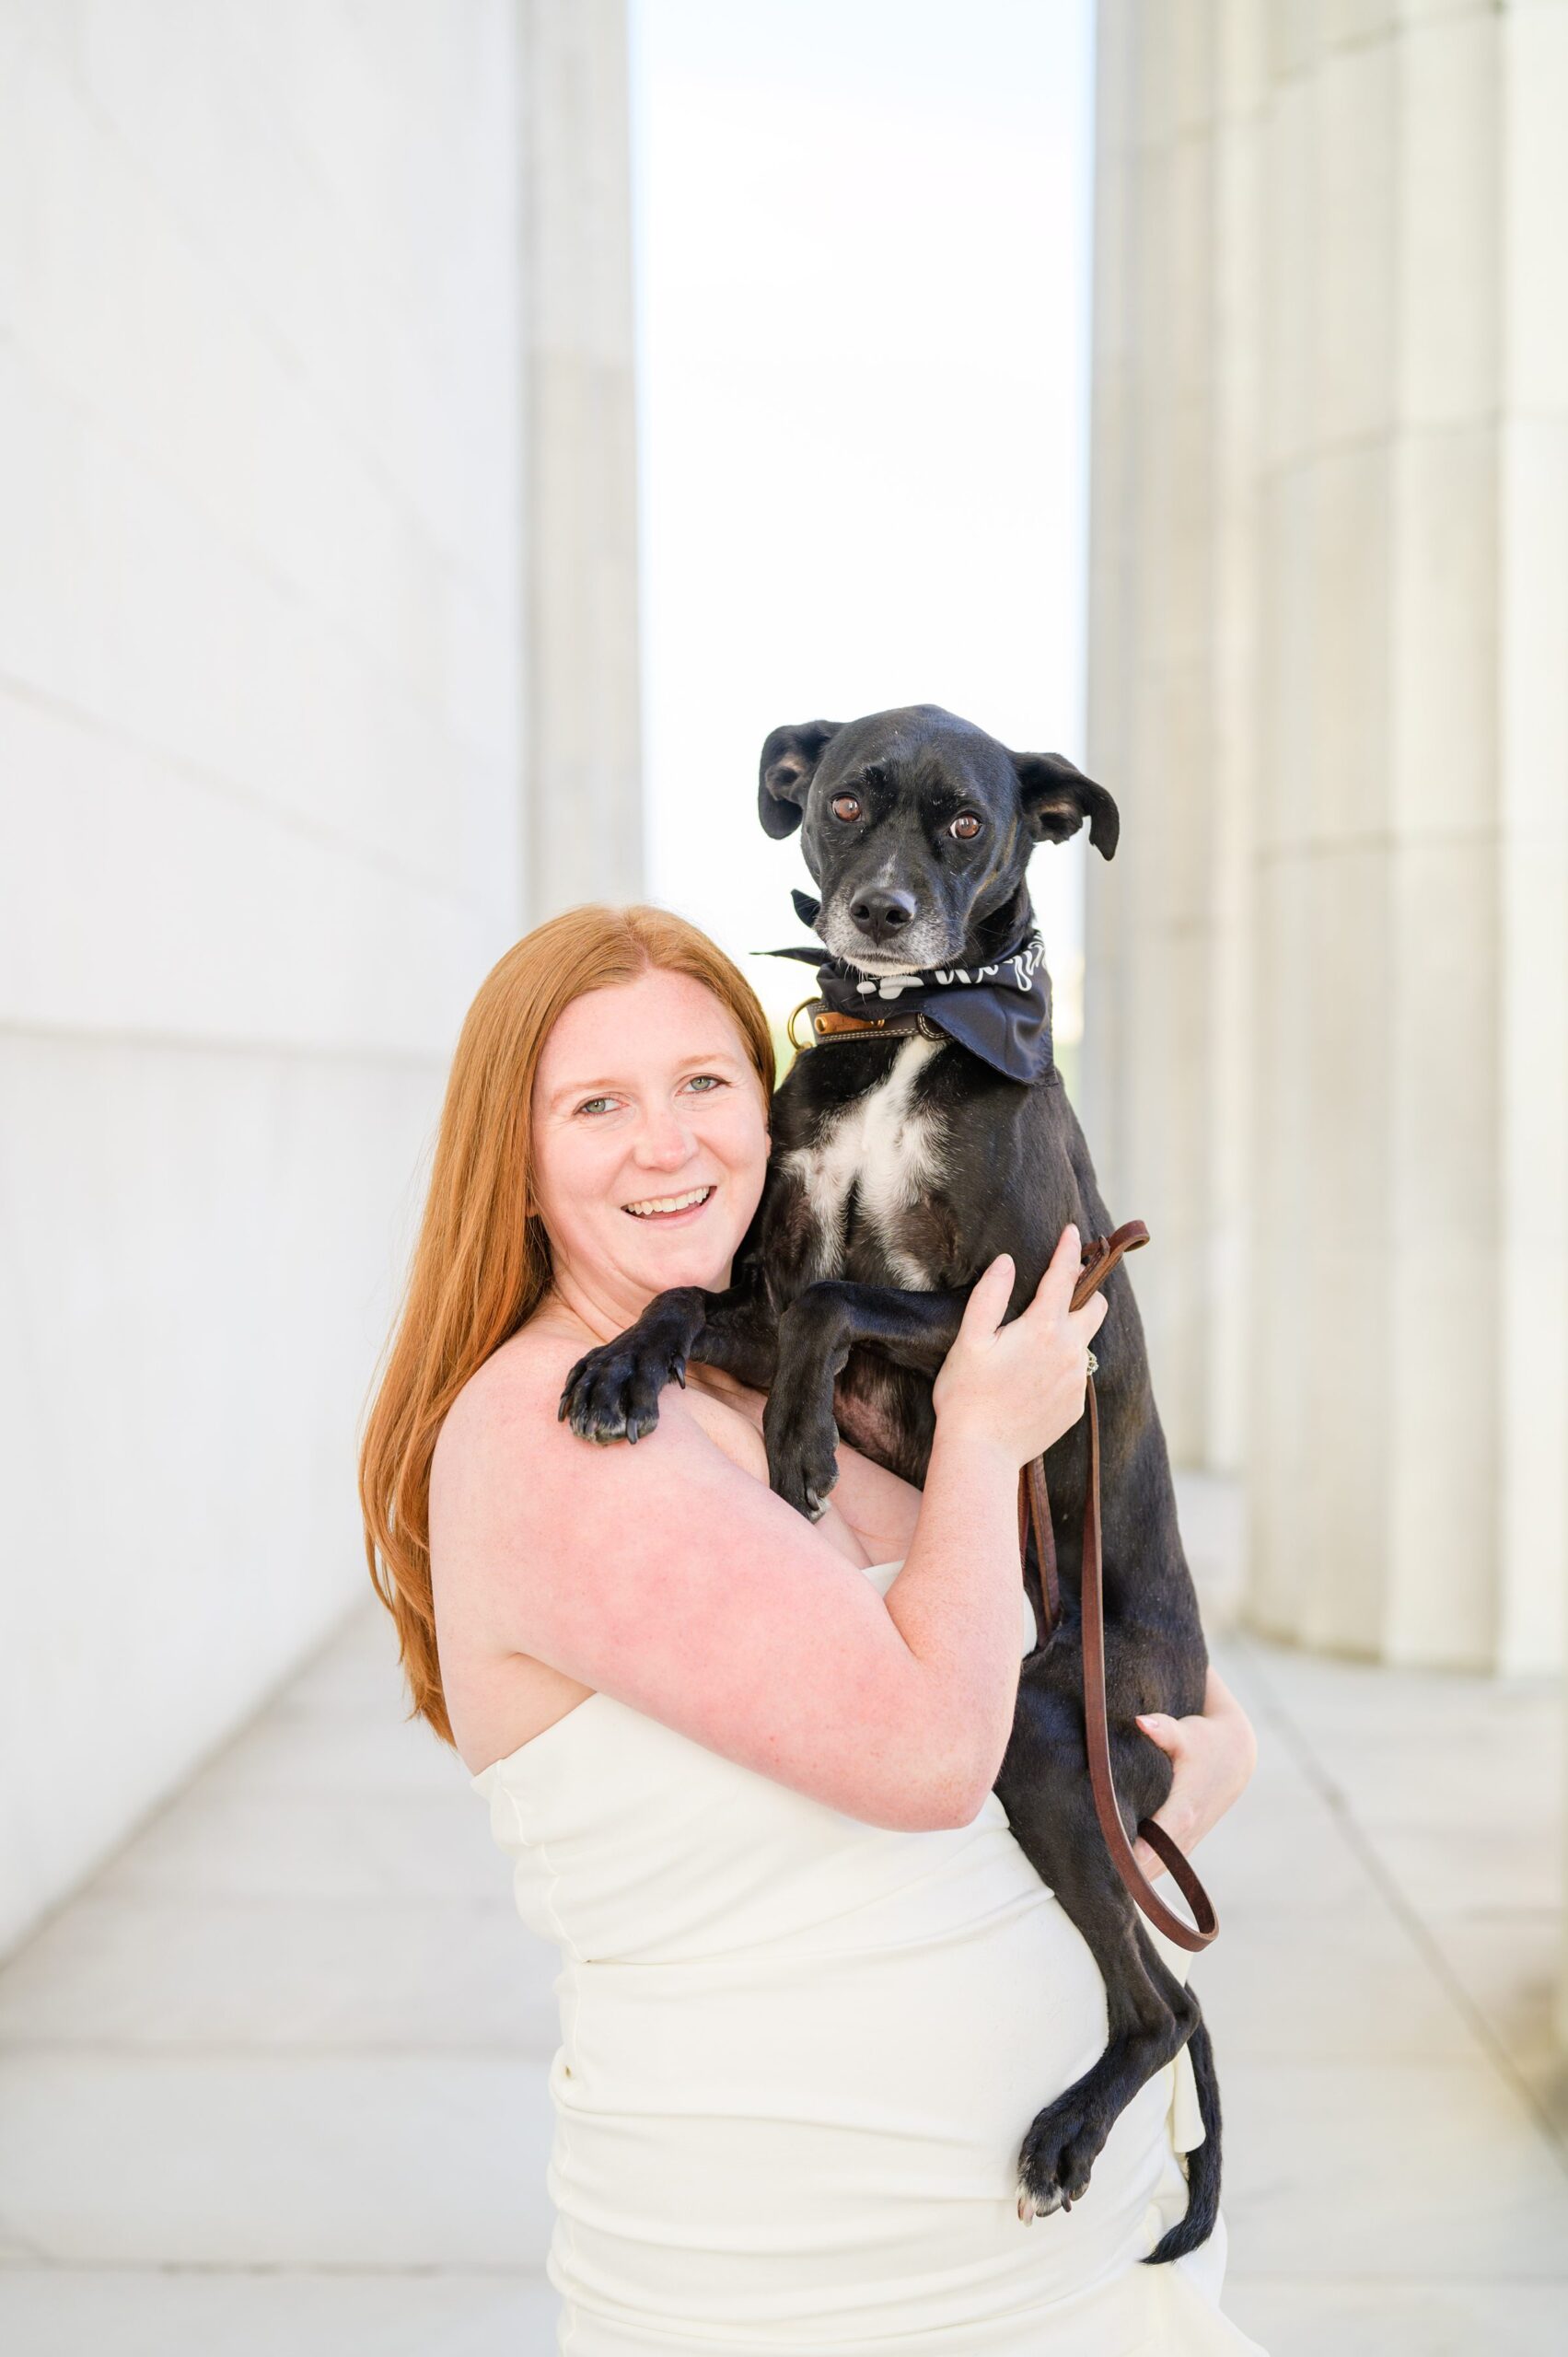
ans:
x=657 y=1203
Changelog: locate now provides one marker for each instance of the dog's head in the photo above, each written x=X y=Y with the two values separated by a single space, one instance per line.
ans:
x=918 y=828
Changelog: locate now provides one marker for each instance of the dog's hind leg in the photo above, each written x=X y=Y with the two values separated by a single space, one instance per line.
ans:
x=1150 y=2014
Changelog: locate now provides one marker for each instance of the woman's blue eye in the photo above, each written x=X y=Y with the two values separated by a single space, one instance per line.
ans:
x=712 y=1077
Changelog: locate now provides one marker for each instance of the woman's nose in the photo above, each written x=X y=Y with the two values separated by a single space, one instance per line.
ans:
x=664 y=1141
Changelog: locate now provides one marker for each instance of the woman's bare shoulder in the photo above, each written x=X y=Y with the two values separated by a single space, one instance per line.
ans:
x=506 y=1419
x=502 y=1419
x=516 y=1391
x=528 y=1371
x=500 y=1446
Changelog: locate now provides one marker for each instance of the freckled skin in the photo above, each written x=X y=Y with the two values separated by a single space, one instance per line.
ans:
x=845 y=1298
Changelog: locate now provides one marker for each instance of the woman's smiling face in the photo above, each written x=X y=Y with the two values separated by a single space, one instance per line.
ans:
x=650 y=1143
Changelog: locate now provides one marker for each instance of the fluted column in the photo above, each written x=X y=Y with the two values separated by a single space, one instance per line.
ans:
x=1327 y=998
x=1172 y=680
x=582 y=695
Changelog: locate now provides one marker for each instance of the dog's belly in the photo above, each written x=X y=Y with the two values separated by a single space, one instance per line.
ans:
x=886 y=1413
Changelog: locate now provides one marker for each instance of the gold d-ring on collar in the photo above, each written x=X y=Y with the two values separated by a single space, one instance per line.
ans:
x=800 y=1045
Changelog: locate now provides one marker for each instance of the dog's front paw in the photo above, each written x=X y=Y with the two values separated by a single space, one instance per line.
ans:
x=1058 y=2153
x=612 y=1392
x=802 y=1461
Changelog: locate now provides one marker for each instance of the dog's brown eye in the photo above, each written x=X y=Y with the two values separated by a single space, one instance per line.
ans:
x=966 y=825
x=845 y=806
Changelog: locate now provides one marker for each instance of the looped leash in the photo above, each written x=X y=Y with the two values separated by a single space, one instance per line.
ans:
x=1100 y=1257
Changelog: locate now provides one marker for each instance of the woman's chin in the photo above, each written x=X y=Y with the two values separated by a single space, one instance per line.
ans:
x=686 y=1264
x=691 y=1250
x=687 y=1259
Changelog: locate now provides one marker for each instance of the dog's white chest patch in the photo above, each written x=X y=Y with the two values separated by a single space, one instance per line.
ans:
x=885 y=1151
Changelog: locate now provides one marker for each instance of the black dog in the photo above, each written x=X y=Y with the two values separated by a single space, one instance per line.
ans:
x=901 y=1164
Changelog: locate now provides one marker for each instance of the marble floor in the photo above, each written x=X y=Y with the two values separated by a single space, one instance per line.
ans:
x=275 y=2079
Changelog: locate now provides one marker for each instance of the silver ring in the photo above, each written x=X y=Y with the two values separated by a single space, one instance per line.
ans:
x=1093 y=1367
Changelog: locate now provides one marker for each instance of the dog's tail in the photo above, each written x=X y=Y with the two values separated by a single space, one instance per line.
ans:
x=1203 y=2161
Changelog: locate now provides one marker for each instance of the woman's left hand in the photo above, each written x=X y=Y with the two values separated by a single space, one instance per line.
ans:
x=1214 y=1754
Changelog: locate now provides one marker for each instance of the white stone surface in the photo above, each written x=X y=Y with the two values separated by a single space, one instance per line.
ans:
x=265 y=339
x=117 y=2312
x=277 y=2161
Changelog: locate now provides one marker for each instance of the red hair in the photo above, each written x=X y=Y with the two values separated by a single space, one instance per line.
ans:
x=481 y=1264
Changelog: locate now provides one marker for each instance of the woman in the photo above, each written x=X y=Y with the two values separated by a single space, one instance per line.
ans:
x=812 y=1992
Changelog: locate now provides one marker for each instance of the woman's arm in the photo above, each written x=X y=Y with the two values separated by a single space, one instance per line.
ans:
x=668 y=1578
x=1213 y=1753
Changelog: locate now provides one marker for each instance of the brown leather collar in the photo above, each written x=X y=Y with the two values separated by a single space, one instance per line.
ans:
x=826 y=1023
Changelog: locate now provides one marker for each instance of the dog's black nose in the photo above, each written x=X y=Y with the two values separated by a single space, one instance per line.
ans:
x=881 y=915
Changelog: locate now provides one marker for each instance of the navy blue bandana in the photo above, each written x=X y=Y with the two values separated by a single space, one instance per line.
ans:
x=1001 y=1011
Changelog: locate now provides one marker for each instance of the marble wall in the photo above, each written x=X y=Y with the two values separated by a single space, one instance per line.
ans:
x=269 y=606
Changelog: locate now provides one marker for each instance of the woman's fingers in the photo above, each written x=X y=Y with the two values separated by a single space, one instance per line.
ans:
x=989 y=1296
x=1174 y=1816
x=1052 y=1302
x=1053 y=1294
x=1084 y=1324
x=1212 y=1753
x=1150 y=1862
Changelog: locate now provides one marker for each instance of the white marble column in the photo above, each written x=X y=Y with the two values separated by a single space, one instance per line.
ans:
x=583 y=748
x=1173 y=678
x=1328 y=993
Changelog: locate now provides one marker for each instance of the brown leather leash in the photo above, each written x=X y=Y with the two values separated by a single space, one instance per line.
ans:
x=1100 y=1257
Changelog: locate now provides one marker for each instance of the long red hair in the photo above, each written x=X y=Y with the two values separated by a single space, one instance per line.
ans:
x=481 y=1264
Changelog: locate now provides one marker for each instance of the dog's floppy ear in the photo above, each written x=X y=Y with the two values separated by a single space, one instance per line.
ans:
x=788 y=765
x=1058 y=798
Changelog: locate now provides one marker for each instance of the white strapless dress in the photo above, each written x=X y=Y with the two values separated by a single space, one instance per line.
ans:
x=798 y=2054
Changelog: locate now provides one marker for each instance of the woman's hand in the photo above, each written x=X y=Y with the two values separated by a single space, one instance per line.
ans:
x=1020 y=1386
x=1214 y=1754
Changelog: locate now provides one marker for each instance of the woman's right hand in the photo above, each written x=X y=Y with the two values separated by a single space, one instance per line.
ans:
x=1020 y=1386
